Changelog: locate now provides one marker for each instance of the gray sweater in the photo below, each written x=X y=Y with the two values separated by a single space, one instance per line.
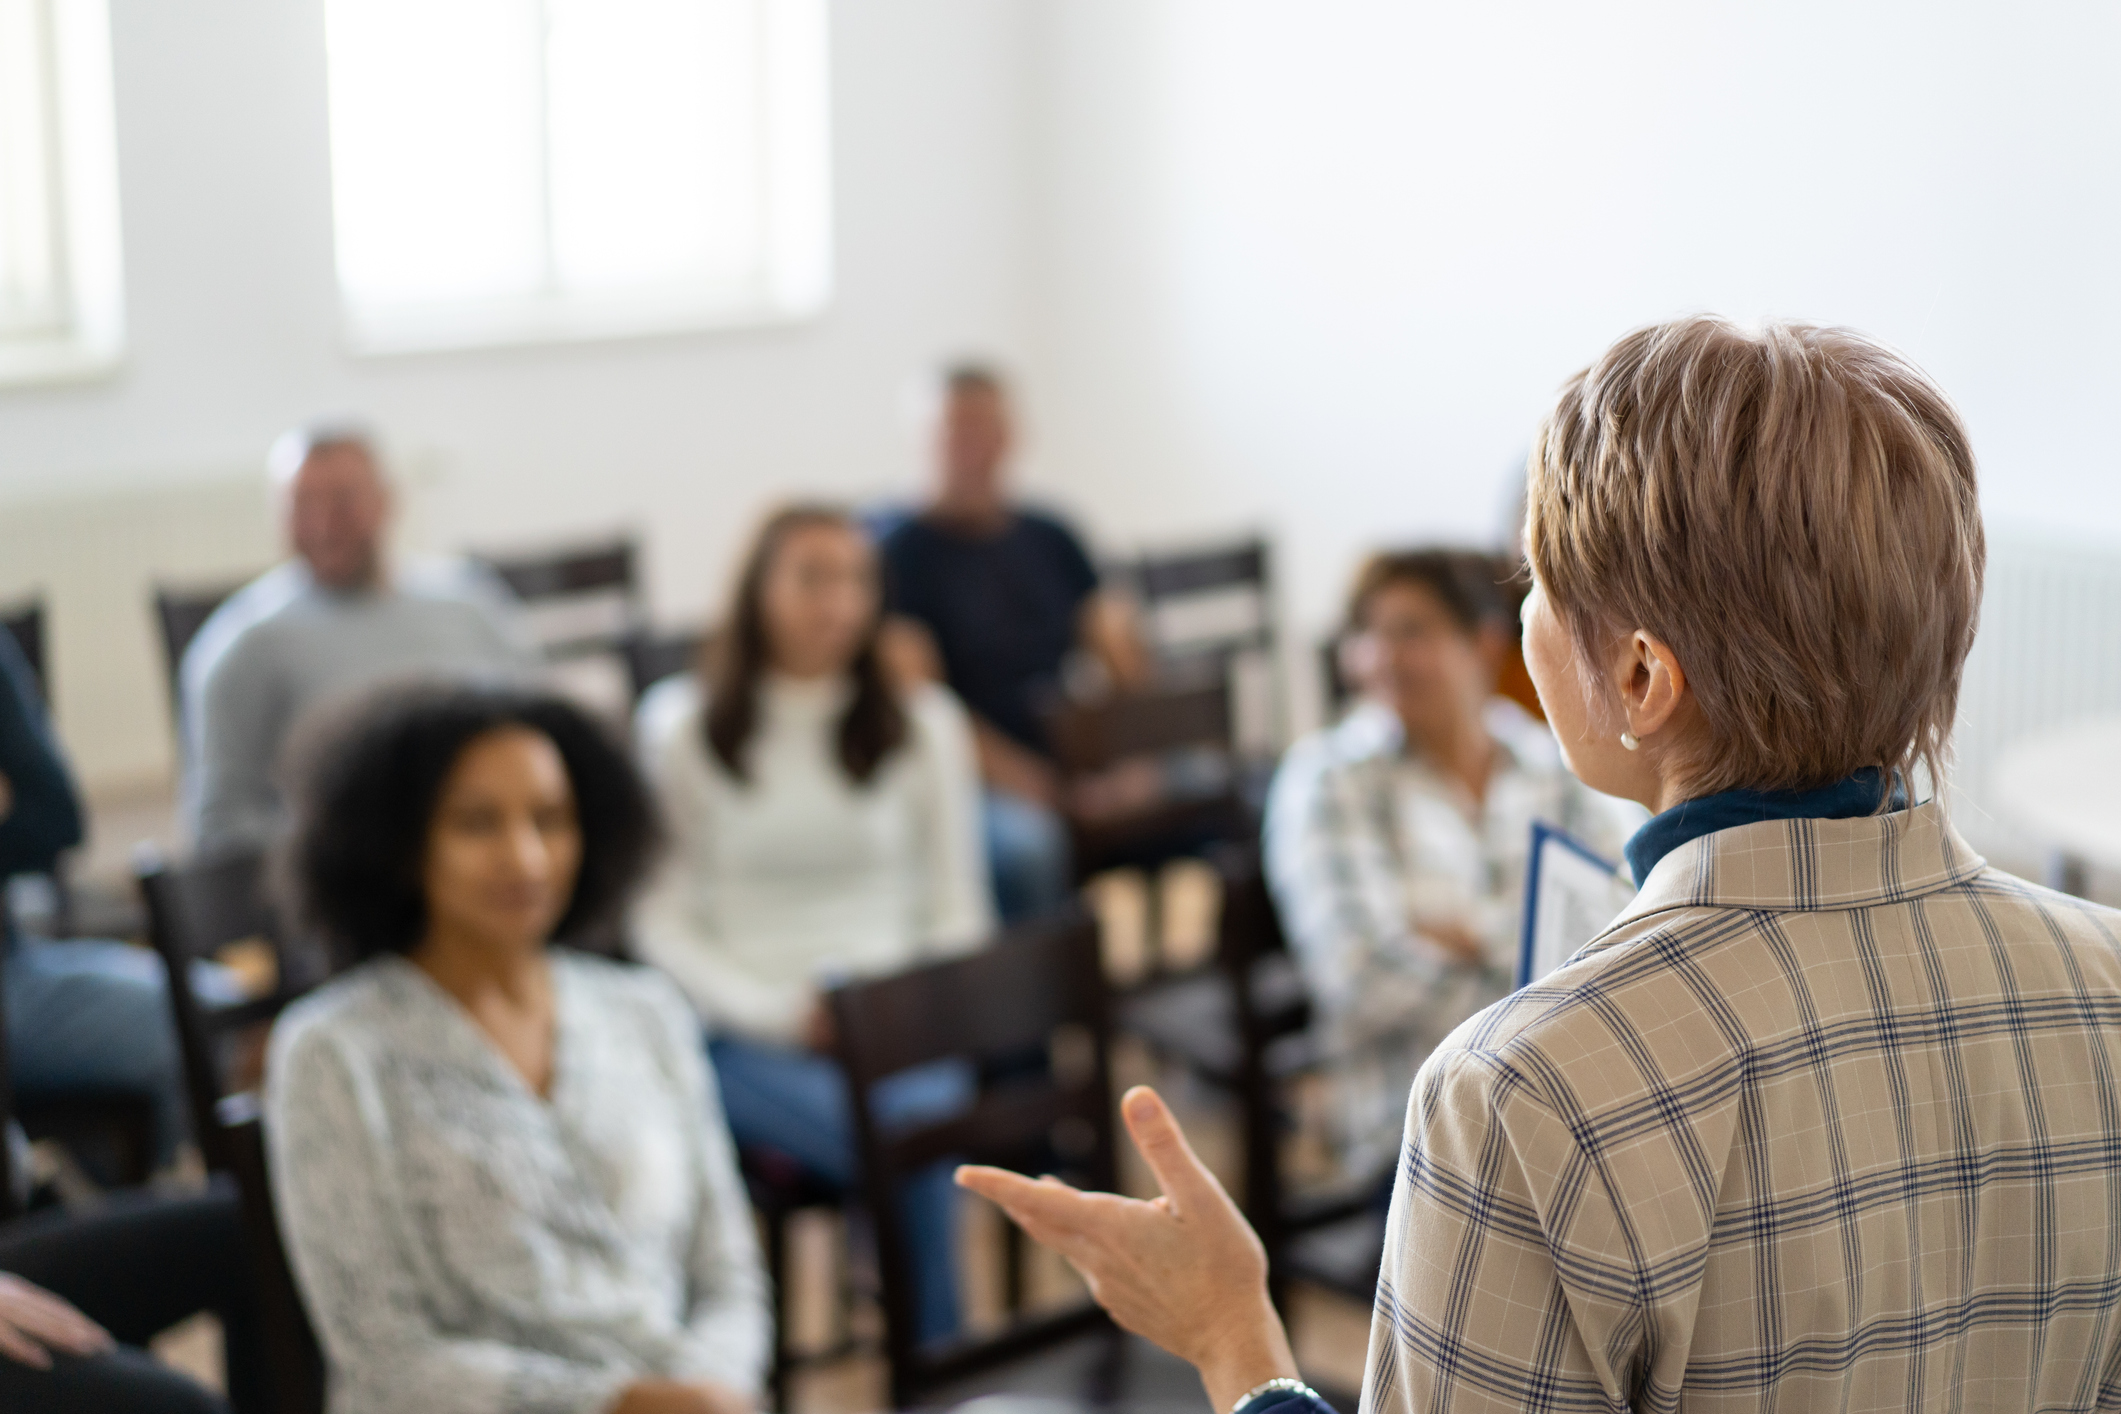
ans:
x=282 y=643
x=467 y=1247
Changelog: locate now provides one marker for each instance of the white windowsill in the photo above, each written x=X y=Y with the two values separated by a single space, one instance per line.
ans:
x=382 y=333
x=37 y=363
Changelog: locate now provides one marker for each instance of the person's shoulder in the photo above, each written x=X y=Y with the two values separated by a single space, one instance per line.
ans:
x=1368 y=733
x=640 y=999
x=1039 y=522
x=668 y=714
x=905 y=532
x=347 y=1016
x=248 y=619
x=1997 y=902
x=935 y=711
x=449 y=578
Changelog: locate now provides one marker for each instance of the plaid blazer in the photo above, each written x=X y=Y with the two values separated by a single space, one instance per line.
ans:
x=1830 y=1118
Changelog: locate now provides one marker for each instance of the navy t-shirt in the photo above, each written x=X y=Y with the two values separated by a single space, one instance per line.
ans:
x=1002 y=607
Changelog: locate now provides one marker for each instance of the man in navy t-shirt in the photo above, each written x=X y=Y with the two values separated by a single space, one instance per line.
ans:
x=1005 y=595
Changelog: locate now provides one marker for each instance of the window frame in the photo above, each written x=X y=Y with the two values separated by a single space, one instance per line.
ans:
x=87 y=339
x=797 y=268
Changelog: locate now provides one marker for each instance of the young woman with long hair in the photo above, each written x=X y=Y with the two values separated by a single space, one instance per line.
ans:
x=825 y=824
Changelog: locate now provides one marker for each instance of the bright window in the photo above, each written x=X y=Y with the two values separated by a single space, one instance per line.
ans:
x=521 y=170
x=61 y=309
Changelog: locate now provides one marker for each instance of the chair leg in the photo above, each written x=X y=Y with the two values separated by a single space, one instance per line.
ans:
x=1108 y=1376
x=1013 y=1265
x=777 y=1272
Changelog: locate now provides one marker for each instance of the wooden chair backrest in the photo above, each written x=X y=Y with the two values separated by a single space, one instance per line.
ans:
x=1037 y=990
x=26 y=622
x=651 y=657
x=294 y=1362
x=179 y=615
x=552 y=584
x=1176 y=712
x=199 y=911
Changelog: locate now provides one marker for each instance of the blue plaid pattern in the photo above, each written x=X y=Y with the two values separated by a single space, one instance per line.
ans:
x=1828 y=1119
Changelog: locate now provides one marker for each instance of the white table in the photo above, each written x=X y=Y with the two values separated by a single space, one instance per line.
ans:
x=2064 y=785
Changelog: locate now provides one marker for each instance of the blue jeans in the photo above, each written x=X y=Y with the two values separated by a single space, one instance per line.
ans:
x=778 y=1097
x=87 y=1016
x=1027 y=855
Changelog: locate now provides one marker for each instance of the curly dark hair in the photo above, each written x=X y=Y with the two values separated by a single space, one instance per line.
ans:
x=365 y=780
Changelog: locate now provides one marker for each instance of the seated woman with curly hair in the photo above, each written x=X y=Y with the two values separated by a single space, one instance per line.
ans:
x=500 y=1165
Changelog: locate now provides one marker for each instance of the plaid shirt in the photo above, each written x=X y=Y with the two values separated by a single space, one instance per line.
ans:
x=1829 y=1119
x=1368 y=843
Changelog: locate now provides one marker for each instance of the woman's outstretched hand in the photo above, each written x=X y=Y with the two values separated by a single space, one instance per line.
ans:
x=1185 y=1270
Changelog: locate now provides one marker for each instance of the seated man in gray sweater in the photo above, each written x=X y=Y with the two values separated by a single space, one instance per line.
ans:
x=336 y=616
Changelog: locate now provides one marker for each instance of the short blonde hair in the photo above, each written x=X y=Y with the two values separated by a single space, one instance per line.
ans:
x=1794 y=513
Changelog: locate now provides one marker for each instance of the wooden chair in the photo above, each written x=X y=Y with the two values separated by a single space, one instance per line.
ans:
x=1039 y=990
x=294 y=1363
x=581 y=600
x=652 y=656
x=179 y=615
x=200 y=911
x=26 y=622
x=1216 y=602
x=1245 y=1029
x=1185 y=715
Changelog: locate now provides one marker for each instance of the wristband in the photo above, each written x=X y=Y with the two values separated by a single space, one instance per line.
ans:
x=1276 y=1386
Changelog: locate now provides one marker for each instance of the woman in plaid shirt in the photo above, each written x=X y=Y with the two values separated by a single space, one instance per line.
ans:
x=1397 y=839
x=1830 y=1117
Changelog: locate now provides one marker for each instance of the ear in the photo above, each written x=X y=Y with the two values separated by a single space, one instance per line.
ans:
x=1650 y=682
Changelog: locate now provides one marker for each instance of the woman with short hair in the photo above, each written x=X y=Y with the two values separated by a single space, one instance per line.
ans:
x=499 y=1164
x=1830 y=1116
x=825 y=827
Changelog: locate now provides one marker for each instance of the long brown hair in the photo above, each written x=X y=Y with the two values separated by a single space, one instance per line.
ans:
x=874 y=724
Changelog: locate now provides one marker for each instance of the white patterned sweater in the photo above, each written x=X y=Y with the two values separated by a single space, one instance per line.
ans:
x=467 y=1247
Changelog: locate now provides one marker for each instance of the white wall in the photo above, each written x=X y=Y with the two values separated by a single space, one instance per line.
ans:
x=233 y=316
x=1313 y=267
x=1321 y=266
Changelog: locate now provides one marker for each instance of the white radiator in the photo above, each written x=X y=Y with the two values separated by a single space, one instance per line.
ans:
x=2049 y=651
x=94 y=560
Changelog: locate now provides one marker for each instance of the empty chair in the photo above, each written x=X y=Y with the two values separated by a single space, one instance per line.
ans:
x=1245 y=1028
x=652 y=656
x=1038 y=990
x=1218 y=602
x=579 y=599
x=1152 y=773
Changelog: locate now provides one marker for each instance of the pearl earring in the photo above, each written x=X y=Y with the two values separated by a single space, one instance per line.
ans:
x=1630 y=740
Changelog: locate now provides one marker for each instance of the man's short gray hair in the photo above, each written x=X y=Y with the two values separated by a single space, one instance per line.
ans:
x=299 y=443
